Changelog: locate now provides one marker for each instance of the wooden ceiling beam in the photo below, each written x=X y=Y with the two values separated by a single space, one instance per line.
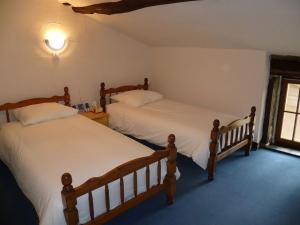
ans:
x=122 y=6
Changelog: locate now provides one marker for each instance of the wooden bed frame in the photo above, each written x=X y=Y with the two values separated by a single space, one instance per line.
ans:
x=10 y=106
x=219 y=148
x=223 y=142
x=71 y=194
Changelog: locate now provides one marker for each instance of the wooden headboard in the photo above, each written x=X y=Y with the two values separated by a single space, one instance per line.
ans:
x=104 y=92
x=10 y=106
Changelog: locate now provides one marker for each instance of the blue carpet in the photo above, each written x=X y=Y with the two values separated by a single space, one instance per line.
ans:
x=261 y=189
x=15 y=208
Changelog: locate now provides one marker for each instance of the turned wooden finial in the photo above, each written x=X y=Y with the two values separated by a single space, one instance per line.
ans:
x=66 y=180
x=251 y=130
x=67 y=96
x=251 y=124
x=102 y=96
x=213 y=149
x=252 y=117
x=214 y=135
x=102 y=86
x=171 y=140
x=146 y=84
x=216 y=123
x=69 y=200
x=66 y=90
x=170 y=179
x=172 y=147
x=253 y=110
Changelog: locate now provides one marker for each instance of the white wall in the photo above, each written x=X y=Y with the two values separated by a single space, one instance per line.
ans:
x=229 y=81
x=95 y=53
x=225 y=80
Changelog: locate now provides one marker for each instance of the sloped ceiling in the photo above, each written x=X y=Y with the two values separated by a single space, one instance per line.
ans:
x=271 y=25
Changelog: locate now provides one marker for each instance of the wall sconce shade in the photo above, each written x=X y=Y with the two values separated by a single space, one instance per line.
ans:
x=55 y=40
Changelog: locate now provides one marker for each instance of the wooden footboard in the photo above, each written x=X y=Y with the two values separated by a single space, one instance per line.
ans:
x=228 y=139
x=70 y=194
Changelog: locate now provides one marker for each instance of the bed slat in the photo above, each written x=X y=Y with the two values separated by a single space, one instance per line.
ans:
x=91 y=205
x=229 y=138
x=232 y=137
x=242 y=133
x=70 y=194
x=107 y=200
x=226 y=140
x=158 y=172
x=236 y=131
x=148 y=177
x=122 y=190
x=221 y=141
x=135 y=183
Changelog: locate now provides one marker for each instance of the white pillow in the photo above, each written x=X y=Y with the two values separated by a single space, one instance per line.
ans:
x=43 y=112
x=137 y=98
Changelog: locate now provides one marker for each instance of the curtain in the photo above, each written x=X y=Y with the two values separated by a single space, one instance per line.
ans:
x=276 y=80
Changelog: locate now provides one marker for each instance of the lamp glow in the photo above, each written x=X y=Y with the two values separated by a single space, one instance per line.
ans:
x=55 y=40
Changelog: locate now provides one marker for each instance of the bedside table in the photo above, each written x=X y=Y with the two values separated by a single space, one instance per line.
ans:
x=97 y=117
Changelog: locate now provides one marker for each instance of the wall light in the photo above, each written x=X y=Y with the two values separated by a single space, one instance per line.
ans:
x=55 y=40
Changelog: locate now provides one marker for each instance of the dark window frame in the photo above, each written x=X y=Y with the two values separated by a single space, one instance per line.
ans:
x=281 y=110
x=286 y=67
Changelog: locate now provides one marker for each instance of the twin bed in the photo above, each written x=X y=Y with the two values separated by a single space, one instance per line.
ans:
x=150 y=117
x=110 y=172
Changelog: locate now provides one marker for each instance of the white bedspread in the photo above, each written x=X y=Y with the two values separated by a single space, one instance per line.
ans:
x=152 y=122
x=39 y=154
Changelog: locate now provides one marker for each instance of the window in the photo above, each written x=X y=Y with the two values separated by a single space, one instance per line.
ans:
x=288 y=125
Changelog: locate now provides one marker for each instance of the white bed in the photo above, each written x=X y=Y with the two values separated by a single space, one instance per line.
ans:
x=153 y=121
x=39 y=154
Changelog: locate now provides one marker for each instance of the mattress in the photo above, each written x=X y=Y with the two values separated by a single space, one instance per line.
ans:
x=39 y=154
x=152 y=122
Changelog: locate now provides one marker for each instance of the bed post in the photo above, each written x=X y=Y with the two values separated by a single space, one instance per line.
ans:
x=213 y=148
x=170 y=179
x=67 y=96
x=70 y=210
x=102 y=97
x=146 y=84
x=251 y=129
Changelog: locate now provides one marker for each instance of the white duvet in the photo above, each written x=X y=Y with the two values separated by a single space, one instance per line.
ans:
x=39 y=154
x=152 y=122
